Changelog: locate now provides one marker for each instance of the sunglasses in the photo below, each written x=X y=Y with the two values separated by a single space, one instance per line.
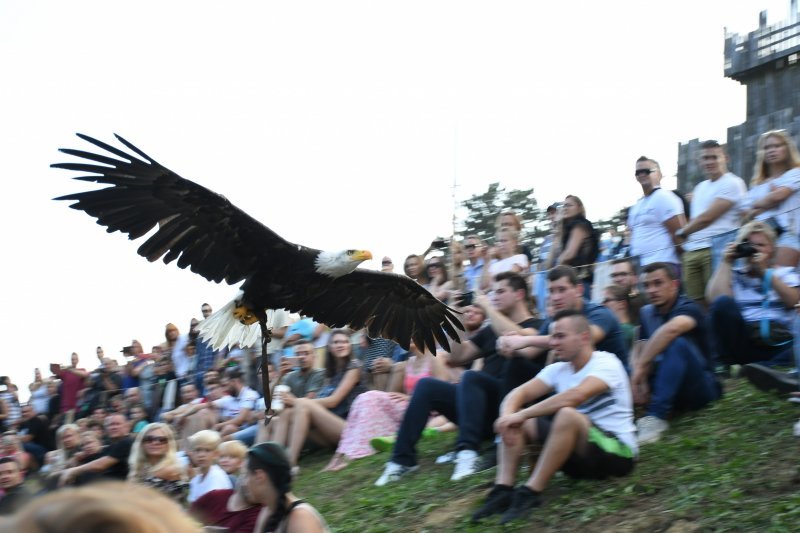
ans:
x=434 y=265
x=645 y=171
x=152 y=438
x=469 y=246
x=386 y=262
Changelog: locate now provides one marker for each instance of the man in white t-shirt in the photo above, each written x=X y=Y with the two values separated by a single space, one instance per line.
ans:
x=714 y=211
x=655 y=218
x=586 y=426
x=245 y=400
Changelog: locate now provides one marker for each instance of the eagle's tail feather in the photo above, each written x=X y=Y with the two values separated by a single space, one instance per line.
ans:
x=222 y=329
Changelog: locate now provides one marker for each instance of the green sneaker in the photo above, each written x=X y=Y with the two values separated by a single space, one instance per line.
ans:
x=382 y=444
x=430 y=432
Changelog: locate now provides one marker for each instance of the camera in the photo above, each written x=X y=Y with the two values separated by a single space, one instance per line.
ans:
x=744 y=249
x=464 y=299
x=440 y=242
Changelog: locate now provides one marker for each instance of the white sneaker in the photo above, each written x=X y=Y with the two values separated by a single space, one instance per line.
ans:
x=797 y=429
x=449 y=457
x=466 y=464
x=650 y=428
x=393 y=472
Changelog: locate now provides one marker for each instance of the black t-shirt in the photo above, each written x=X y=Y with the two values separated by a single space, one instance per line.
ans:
x=120 y=451
x=486 y=341
x=37 y=429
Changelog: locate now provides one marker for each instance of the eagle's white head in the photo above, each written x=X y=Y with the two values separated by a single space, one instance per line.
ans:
x=338 y=264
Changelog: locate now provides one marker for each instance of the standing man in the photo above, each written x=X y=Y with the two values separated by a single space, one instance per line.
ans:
x=475 y=255
x=713 y=212
x=655 y=217
x=204 y=355
x=586 y=425
x=674 y=357
x=73 y=382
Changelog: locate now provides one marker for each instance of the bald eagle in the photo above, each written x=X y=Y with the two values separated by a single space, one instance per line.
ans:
x=202 y=230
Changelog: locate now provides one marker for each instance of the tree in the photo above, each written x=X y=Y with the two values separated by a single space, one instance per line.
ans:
x=482 y=210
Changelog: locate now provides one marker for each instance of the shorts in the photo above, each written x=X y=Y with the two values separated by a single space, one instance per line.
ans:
x=696 y=272
x=605 y=456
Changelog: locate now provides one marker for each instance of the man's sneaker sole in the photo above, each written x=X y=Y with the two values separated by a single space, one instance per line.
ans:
x=767 y=379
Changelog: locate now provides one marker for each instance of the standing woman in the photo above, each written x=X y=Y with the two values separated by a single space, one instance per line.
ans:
x=153 y=461
x=322 y=418
x=575 y=242
x=773 y=195
x=510 y=259
x=39 y=396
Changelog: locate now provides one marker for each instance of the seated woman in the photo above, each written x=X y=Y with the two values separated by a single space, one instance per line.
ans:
x=439 y=285
x=322 y=418
x=268 y=482
x=617 y=299
x=153 y=461
x=509 y=257
x=378 y=413
x=11 y=446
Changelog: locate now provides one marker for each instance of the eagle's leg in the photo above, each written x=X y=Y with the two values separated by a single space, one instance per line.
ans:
x=266 y=336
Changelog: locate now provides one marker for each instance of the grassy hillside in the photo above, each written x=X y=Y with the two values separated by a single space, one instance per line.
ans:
x=731 y=467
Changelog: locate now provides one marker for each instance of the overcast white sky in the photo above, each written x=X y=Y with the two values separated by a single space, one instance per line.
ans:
x=337 y=124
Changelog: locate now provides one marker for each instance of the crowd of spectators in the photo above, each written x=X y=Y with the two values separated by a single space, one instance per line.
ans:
x=674 y=320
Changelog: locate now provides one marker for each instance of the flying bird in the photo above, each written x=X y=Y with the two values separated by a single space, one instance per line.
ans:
x=205 y=232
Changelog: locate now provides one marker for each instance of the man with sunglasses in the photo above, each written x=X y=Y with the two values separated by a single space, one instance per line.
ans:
x=655 y=217
x=713 y=212
x=476 y=253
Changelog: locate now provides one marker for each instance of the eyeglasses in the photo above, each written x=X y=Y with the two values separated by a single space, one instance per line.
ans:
x=620 y=274
x=153 y=438
x=645 y=171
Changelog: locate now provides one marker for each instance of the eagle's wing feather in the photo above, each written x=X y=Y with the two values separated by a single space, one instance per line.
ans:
x=196 y=226
x=388 y=305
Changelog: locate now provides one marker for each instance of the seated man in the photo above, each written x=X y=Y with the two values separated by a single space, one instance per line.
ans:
x=586 y=426
x=15 y=495
x=245 y=402
x=186 y=418
x=674 y=357
x=473 y=402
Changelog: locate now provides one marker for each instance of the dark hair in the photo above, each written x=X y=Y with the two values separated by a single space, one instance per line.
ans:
x=10 y=459
x=331 y=364
x=563 y=271
x=644 y=158
x=234 y=372
x=711 y=143
x=271 y=457
x=578 y=319
x=666 y=267
x=515 y=281
x=621 y=260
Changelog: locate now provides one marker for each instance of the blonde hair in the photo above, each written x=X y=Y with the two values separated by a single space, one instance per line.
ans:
x=760 y=168
x=234 y=448
x=499 y=220
x=101 y=507
x=139 y=468
x=207 y=437
x=756 y=226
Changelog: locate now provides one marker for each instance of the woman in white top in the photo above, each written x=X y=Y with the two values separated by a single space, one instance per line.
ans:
x=510 y=260
x=773 y=193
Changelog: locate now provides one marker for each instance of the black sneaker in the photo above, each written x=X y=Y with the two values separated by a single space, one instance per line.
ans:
x=767 y=379
x=488 y=459
x=498 y=501
x=522 y=503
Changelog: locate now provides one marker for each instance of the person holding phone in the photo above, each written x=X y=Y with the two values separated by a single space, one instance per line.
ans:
x=73 y=381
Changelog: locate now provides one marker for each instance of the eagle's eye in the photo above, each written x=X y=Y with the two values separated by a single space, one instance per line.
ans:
x=350 y=252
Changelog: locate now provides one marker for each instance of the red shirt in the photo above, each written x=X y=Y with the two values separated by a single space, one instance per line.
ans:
x=71 y=384
x=212 y=509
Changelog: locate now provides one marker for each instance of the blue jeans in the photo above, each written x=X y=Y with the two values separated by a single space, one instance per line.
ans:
x=247 y=435
x=732 y=339
x=472 y=404
x=682 y=380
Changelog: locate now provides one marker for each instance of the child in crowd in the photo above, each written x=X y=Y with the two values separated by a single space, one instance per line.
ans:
x=203 y=451
x=138 y=418
x=232 y=455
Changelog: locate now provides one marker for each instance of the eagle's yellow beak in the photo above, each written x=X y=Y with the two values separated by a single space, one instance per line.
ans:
x=362 y=255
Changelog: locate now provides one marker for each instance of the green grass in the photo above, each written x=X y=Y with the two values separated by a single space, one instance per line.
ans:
x=730 y=467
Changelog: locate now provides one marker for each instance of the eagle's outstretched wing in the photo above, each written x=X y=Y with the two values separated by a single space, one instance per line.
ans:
x=198 y=227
